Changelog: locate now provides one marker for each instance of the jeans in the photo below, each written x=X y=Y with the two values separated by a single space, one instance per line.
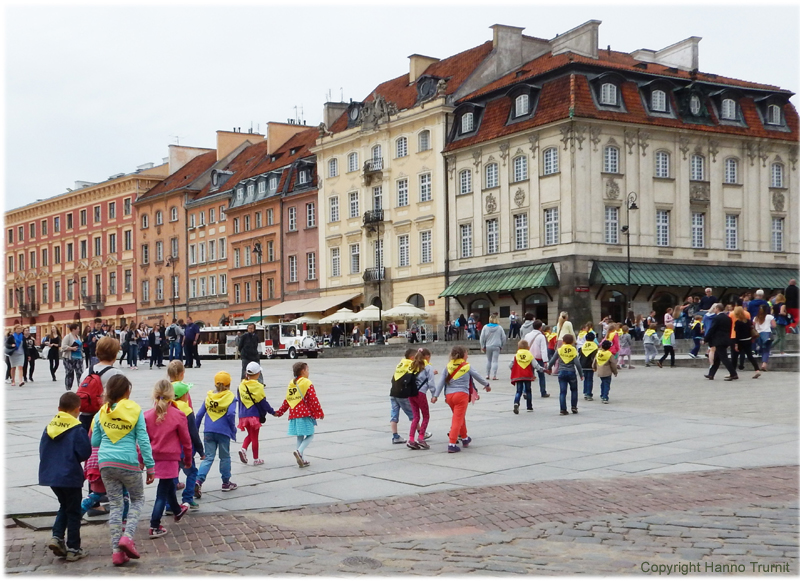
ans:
x=696 y=349
x=165 y=495
x=74 y=370
x=68 y=519
x=191 y=479
x=542 y=383
x=156 y=356
x=399 y=403
x=492 y=360
x=421 y=415
x=212 y=442
x=133 y=354
x=28 y=368
x=765 y=339
x=780 y=341
x=116 y=480
x=745 y=352
x=458 y=402
x=526 y=387
x=568 y=380
x=588 y=381
x=605 y=387
x=175 y=351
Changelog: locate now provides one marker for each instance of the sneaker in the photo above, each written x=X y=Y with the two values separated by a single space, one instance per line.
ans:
x=76 y=554
x=159 y=532
x=605 y=400
x=574 y=410
x=306 y=464
x=57 y=546
x=588 y=398
x=120 y=558
x=423 y=445
x=413 y=445
x=258 y=462
x=466 y=442
x=184 y=510
x=428 y=435
x=530 y=409
x=516 y=408
x=564 y=413
x=692 y=356
x=180 y=486
x=396 y=439
x=757 y=375
x=243 y=456
x=546 y=395
x=659 y=364
x=298 y=457
x=228 y=486
x=193 y=505
x=452 y=449
x=198 y=492
x=127 y=546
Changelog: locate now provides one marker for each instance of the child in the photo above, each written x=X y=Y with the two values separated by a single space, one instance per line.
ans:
x=305 y=410
x=650 y=340
x=421 y=367
x=551 y=341
x=253 y=410
x=168 y=429
x=625 y=347
x=459 y=390
x=668 y=341
x=118 y=429
x=522 y=369
x=587 y=354
x=696 y=329
x=587 y=328
x=397 y=397
x=604 y=365
x=613 y=336
x=61 y=451
x=176 y=372
x=218 y=431
x=568 y=370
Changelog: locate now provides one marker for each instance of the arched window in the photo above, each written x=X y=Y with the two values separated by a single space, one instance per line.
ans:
x=465 y=181
x=608 y=94
x=731 y=171
x=728 y=109
x=662 y=164
x=401 y=147
x=467 y=122
x=377 y=152
x=492 y=180
x=774 y=115
x=611 y=159
x=520 y=168
x=424 y=140
x=658 y=100
x=521 y=106
x=145 y=221
x=333 y=168
x=417 y=300
x=352 y=162
x=694 y=105
x=698 y=168
x=173 y=214
x=777 y=175
x=550 y=160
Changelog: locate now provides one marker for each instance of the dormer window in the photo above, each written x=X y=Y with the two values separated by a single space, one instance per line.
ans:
x=214 y=178
x=302 y=177
x=608 y=94
x=467 y=122
x=240 y=194
x=521 y=105
x=729 y=109
x=273 y=183
x=773 y=115
x=262 y=187
x=251 y=188
x=694 y=105
x=658 y=101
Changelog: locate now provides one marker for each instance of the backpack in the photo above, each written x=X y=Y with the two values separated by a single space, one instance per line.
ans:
x=405 y=386
x=91 y=391
x=172 y=333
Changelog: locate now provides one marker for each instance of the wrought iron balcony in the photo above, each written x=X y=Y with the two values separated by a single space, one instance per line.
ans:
x=375 y=274
x=93 y=302
x=29 y=309
x=373 y=217
x=373 y=165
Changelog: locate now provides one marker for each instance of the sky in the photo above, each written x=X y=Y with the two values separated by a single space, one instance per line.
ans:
x=91 y=91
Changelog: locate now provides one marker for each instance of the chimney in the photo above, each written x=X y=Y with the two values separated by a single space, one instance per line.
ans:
x=180 y=155
x=507 y=46
x=684 y=55
x=332 y=111
x=417 y=65
x=582 y=40
x=227 y=141
x=280 y=133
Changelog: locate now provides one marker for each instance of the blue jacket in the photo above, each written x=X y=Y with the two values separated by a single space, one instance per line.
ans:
x=260 y=410
x=226 y=425
x=60 y=458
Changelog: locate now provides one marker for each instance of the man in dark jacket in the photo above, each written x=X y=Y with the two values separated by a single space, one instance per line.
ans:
x=248 y=349
x=190 y=334
x=719 y=337
x=64 y=445
x=156 y=341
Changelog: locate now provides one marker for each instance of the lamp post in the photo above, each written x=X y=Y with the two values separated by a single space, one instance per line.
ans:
x=630 y=204
x=171 y=263
x=258 y=252
x=76 y=279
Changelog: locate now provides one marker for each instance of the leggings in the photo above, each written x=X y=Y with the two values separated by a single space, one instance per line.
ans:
x=419 y=407
x=252 y=438
x=115 y=481
x=53 y=367
x=492 y=360
x=458 y=402
x=133 y=354
x=74 y=370
x=745 y=352
x=303 y=442
x=8 y=368
x=28 y=368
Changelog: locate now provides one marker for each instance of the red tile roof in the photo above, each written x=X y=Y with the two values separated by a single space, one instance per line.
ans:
x=184 y=176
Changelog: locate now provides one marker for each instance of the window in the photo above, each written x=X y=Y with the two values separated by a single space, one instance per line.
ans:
x=128 y=281
x=44 y=228
x=353 y=205
x=333 y=168
x=608 y=94
x=112 y=283
x=521 y=105
x=731 y=171
x=521 y=231
x=292 y=219
x=551 y=226
x=223 y=249
x=273 y=183
x=159 y=218
x=96 y=213
x=21 y=262
x=84 y=248
x=173 y=214
x=611 y=225
x=611 y=159
x=492 y=236
x=403 y=255
x=240 y=194
x=202 y=286
x=355 y=258
x=334 y=209
x=662 y=228
x=336 y=262
x=729 y=109
x=251 y=189
x=70 y=289
x=69 y=221
x=467 y=122
x=311 y=263
x=128 y=239
x=402 y=192
x=777 y=175
x=731 y=232
x=192 y=221
x=70 y=256
x=237 y=293
x=377 y=246
x=270 y=288
x=32 y=228
x=159 y=289
x=45 y=297
x=698 y=230
x=773 y=115
x=146 y=291
x=248 y=257
x=126 y=206
x=10 y=264
x=112 y=243
x=658 y=100
x=466 y=240
x=193 y=254
x=550 y=160
x=145 y=254
x=97 y=247
x=698 y=167
x=83 y=217
x=11 y=236
x=223 y=284
x=247 y=223
x=202 y=218
x=262 y=187
x=56 y=254
x=45 y=261
x=212 y=250
x=492 y=179
x=211 y=216
x=424 y=140
x=303 y=177
x=57 y=224
x=20 y=234
x=32 y=261
x=292 y=269
x=377 y=153
x=694 y=105
x=401 y=147
x=311 y=215
x=193 y=288
x=426 y=246
x=662 y=164
x=145 y=221
x=425 y=191
x=777 y=234
x=56 y=291
x=160 y=251
x=352 y=162
x=176 y=286
x=270 y=251
x=236 y=225
x=520 y=168
x=465 y=181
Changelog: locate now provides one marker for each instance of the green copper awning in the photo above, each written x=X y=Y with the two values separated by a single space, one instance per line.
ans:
x=501 y=280
x=691 y=275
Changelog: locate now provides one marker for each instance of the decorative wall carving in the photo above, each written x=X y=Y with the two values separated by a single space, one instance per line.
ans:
x=375 y=112
x=451 y=164
x=630 y=140
x=491 y=204
x=594 y=135
x=763 y=153
x=612 y=189
x=519 y=197
x=750 y=150
x=580 y=134
x=700 y=192
x=713 y=149
x=566 y=135
x=793 y=156
x=684 y=145
x=476 y=157
x=441 y=88
x=534 y=141
x=644 y=137
x=504 y=152
x=778 y=201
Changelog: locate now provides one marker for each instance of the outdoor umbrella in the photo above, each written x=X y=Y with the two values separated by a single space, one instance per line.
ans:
x=405 y=311
x=343 y=315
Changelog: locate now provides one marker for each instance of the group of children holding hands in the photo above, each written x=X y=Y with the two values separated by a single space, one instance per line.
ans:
x=121 y=441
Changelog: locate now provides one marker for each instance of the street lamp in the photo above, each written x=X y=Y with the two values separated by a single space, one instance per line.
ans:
x=77 y=290
x=171 y=262
x=630 y=204
x=258 y=252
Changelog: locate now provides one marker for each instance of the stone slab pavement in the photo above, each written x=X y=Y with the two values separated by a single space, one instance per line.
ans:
x=659 y=421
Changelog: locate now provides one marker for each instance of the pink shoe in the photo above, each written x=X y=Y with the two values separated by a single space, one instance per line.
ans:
x=258 y=462
x=126 y=545
x=119 y=558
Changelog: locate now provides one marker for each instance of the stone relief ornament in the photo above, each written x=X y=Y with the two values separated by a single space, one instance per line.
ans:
x=504 y=152
x=793 y=156
x=630 y=140
x=750 y=150
x=441 y=88
x=713 y=149
x=476 y=156
x=323 y=130
x=377 y=111
x=534 y=141
x=519 y=197
x=778 y=201
x=491 y=204
x=699 y=192
x=451 y=164
x=684 y=146
x=594 y=136
x=612 y=189
x=763 y=153
x=644 y=137
x=580 y=135
x=566 y=135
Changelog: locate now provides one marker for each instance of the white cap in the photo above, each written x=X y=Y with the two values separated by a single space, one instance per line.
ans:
x=253 y=368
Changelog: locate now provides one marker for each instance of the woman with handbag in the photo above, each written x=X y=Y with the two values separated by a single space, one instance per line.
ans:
x=781 y=322
x=17 y=356
x=53 y=345
x=764 y=323
x=31 y=355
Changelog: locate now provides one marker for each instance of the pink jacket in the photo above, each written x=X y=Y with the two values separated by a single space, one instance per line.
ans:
x=168 y=438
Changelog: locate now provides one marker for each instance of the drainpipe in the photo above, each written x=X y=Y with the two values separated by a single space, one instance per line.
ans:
x=186 y=252
x=280 y=225
x=446 y=226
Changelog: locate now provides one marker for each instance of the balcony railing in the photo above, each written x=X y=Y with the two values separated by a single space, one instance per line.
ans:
x=29 y=309
x=375 y=274
x=373 y=217
x=93 y=302
x=373 y=165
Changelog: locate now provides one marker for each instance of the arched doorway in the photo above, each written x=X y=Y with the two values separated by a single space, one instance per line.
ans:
x=377 y=302
x=613 y=304
x=480 y=308
x=417 y=300
x=661 y=303
x=536 y=304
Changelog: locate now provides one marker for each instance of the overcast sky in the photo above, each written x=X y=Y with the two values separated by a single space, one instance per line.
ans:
x=92 y=91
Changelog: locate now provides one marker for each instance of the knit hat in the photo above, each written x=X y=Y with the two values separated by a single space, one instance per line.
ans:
x=181 y=388
x=222 y=377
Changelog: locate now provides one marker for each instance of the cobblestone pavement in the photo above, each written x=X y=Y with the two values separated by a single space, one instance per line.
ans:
x=731 y=517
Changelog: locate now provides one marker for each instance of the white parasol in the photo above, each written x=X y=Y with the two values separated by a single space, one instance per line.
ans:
x=405 y=311
x=343 y=315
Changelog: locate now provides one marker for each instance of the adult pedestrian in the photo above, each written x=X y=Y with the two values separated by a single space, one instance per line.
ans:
x=356 y=335
x=472 y=325
x=247 y=343
x=10 y=346
x=537 y=343
x=764 y=323
x=132 y=338
x=527 y=325
x=755 y=305
x=142 y=336
x=781 y=315
x=123 y=343
x=792 y=304
x=106 y=352
x=155 y=341
x=461 y=324
x=72 y=351
x=17 y=356
x=743 y=346
x=97 y=333
x=85 y=340
x=174 y=335
x=190 y=336
x=707 y=301
x=336 y=333
x=719 y=338
x=492 y=340
x=53 y=343
x=513 y=326
x=31 y=355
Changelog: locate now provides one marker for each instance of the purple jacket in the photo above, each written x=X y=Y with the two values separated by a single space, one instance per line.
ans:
x=226 y=425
